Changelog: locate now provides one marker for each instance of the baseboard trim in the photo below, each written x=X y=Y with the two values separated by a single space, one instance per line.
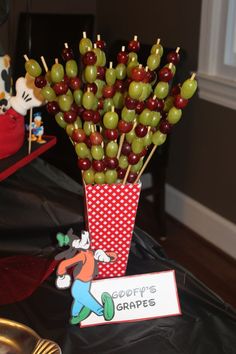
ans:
x=208 y=224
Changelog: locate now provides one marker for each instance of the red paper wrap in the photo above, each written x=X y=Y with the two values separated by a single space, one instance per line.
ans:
x=110 y=215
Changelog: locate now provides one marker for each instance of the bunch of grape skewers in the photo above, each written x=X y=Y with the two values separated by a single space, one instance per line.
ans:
x=115 y=116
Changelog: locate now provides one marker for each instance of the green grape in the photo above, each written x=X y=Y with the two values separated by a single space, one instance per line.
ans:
x=60 y=120
x=48 y=93
x=88 y=128
x=169 y=103
x=65 y=102
x=118 y=100
x=90 y=73
x=135 y=89
x=95 y=104
x=100 y=57
x=57 y=72
x=156 y=117
x=84 y=45
x=158 y=138
x=112 y=149
x=137 y=167
x=123 y=161
x=103 y=59
x=155 y=47
x=153 y=61
x=70 y=128
x=110 y=176
x=107 y=105
x=188 y=88
x=130 y=136
x=110 y=76
x=69 y=93
x=120 y=71
x=133 y=57
x=100 y=84
x=145 y=117
x=71 y=68
x=128 y=115
x=88 y=99
x=147 y=139
x=82 y=150
x=78 y=94
x=161 y=90
x=97 y=152
x=33 y=68
x=78 y=123
x=146 y=90
x=110 y=120
x=174 y=115
x=99 y=178
x=89 y=176
x=137 y=145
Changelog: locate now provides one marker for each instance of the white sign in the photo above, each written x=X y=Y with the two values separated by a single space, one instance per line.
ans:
x=137 y=298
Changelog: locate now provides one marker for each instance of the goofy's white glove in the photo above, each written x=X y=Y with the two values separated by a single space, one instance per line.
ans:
x=101 y=256
x=63 y=281
x=27 y=96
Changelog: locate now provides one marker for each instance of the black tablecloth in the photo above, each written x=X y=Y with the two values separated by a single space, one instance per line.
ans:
x=38 y=201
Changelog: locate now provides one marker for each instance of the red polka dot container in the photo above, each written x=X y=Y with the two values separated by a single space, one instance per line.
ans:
x=110 y=215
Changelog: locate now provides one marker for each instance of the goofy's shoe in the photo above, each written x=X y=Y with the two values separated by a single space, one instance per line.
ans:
x=84 y=313
x=108 y=306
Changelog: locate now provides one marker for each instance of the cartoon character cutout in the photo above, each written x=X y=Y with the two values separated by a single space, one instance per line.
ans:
x=84 y=260
x=5 y=83
x=37 y=128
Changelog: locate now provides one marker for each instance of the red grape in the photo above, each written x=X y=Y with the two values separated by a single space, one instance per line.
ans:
x=121 y=172
x=133 y=158
x=122 y=57
x=132 y=177
x=96 y=138
x=75 y=83
x=138 y=73
x=140 y=107
x=70 y=117
x=67 y=54
x=108 y=91
x=180 y=102
x=98 y=165
x=78 y=135
x=40 y=81
x=141 y=130
x=89 y=58
x=96 y=117
x=173 y=57
x=91 y=87
x=165 y=74
x=52 y=108
x=111 y=134
x=165 y=126
x=112 y=162
x=124 y=127
x=134 y=45
x=101 y=70
x=126 y=148
x=130 y=103
x=88 y=115
x=60 y=88
x=84 y=164
x=152 y=103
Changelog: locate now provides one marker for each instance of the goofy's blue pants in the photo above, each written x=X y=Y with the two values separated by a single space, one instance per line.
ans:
x=82 y=297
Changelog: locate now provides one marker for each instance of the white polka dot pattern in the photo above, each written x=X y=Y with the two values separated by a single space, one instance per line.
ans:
x=111 y=211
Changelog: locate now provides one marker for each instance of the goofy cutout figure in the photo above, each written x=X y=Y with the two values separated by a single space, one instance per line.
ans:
x=84 y=260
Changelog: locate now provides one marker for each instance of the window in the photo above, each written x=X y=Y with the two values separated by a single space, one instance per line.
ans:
x=217 y=52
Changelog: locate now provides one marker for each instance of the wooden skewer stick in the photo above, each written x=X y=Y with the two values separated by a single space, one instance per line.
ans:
x=44 y=63
x=66 y=45
x=26 y=57
x=98 y=37
x=30 y=130
x=145 y=163
x=193 y=76
x=135 y=38
x=127 y=174
x=177 y=50
x=56 y=60
x=122 y=138
x=84 y=35
x=158 y=40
